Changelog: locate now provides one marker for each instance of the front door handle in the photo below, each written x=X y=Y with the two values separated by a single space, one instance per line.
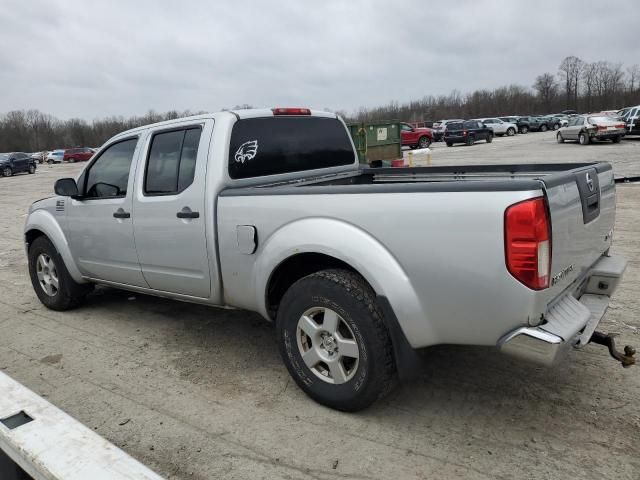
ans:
x=186 y=212
x=120 y=213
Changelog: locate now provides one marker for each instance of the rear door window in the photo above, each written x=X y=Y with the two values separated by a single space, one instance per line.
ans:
x=275 y=145
x=171 y=161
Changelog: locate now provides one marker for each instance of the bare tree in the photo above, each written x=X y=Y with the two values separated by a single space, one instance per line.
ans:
x=571 y=68
x=547 y=89
x=633 y=73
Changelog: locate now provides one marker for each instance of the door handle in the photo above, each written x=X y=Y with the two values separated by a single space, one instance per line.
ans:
x=121 y=214
x=187 y=213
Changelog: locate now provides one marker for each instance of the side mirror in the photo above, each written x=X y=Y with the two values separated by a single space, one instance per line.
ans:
x=66 y=187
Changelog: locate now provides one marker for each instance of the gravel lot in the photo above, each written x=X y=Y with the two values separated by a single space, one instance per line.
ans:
x=201 y=393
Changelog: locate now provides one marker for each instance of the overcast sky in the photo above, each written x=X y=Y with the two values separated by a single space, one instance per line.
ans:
x=94 y=59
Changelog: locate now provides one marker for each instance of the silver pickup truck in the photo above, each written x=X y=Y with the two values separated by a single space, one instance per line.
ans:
x=269 y=211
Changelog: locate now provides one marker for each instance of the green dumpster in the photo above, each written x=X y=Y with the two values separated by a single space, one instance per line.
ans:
x=376 y=142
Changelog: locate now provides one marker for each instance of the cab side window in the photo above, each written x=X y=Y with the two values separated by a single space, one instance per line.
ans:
x=171 y=162
x=109 y=174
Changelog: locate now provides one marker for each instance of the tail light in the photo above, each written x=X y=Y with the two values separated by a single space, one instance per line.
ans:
x=527 y=235
x=601 y=127
x=621 y=125
x=291 y=111
x=464 y=133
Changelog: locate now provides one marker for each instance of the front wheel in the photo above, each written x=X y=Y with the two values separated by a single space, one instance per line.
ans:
x=449 y=144
x=333 y=340
x=7 y=172
x=583 y=139
x=556 y=126
x=51 y=281
x=470 y=140
x=559 y=138
x=524 y=130
x=511 y=132
x=489 y=138
x=424 y=142
x=616 y=139
x=544 y=128
x=32 y=169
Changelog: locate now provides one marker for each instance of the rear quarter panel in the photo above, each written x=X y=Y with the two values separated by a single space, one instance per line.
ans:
x=437 y=256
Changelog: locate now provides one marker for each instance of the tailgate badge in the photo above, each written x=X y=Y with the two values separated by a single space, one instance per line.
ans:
x=589 y=181
x=561 y=275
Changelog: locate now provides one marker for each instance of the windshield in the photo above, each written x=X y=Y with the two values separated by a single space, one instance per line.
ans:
x=4 y=156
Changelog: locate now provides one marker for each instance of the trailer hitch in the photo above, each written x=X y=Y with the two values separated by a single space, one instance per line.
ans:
x=607 y=339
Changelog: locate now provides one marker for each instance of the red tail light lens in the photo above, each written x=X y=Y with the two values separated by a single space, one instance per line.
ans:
x=527 y=234
x=464 y=133
x=291 y=111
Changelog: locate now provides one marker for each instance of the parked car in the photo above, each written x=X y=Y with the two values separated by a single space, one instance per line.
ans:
x=549 y=123
x=467 y=132
x=521 y=122
x=39 y=156
x=564 y=119
x=535 y=123
x=440 y=126
x=278 y=217
x=631 y=118
x=415 y=137
x=499 y=127
x=78 y=154
x=16 y=162
x=584 y=129
x=55 y=156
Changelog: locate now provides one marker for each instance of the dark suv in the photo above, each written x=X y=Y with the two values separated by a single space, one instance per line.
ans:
x=467 y=132
x=16 y=162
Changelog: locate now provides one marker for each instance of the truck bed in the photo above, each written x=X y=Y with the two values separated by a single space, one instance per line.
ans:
x=423 y=179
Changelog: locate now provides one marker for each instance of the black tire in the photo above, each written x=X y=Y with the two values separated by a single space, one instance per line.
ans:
x=511 y=132
x=69 y=293
x=616 y=139
x=543 y=128
x=583 y=139
x=490 y=138
x=32 y=169
x=470 y=141
x=7 y=171
x=424 y=142
x=524 y=130
x=556 y=126
x=449 y=144
x=559 y=138
x=348 y=295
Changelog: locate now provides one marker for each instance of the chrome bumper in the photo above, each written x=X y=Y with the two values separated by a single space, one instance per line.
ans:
x=570 y=322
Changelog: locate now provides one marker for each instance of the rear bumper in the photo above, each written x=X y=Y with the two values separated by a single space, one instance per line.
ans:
x=571 y=321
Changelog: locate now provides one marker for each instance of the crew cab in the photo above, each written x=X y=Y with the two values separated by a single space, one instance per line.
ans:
x=415 y=137
x=467 y=132
x=268 y=210
x=587 y=128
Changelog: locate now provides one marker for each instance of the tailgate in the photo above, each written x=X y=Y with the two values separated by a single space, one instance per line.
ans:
x=582 y=209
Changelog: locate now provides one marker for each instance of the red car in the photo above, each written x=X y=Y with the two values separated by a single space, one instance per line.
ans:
x=415 y=137
x=81 y=154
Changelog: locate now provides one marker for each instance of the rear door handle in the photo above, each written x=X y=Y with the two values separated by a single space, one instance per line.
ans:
x=187 y=213
x=120 y=213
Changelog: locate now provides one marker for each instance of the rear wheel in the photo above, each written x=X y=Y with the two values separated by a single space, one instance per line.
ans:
x=490 y=138
x=559 y=138
x=583 y=139
x=449 y=144
x=50 y=278
x=333 y=340
x=556 y=126
x=543 y=128
x=424 y=142
x=32 y=169
x=7 y=172
x=524 y=130
x=511 y=132
x=616 y=139
x=470 y=140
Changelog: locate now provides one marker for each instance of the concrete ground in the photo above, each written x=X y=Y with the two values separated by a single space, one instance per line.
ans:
x=201 y=393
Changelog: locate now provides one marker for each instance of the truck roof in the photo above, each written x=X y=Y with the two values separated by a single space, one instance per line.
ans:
x=239 y=114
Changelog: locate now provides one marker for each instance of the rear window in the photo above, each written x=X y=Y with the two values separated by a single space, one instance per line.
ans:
x=275 y=145
x=454 y=126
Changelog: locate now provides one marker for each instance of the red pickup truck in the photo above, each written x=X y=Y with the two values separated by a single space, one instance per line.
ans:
x=415 y=137
x=77 y=154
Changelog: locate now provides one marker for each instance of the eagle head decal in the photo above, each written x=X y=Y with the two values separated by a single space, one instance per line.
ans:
x=246 y=151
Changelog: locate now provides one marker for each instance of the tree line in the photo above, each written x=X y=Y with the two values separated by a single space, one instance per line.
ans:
x=577 y=85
